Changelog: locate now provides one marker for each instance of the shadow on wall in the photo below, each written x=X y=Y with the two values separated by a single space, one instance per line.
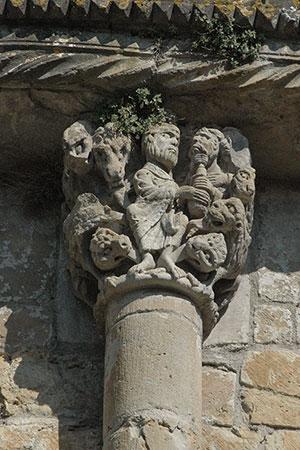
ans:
x=274 y=253
x=51 y=360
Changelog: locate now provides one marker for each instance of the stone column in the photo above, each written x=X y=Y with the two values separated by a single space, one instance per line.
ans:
x=152 y=386
x=166 y=260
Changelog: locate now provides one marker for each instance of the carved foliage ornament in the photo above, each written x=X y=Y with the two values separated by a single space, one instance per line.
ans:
x=132 y=223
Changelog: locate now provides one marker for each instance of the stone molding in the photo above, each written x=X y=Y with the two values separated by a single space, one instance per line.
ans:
x=276 y=18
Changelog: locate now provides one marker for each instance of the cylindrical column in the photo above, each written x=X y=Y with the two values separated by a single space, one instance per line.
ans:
x=152 y=387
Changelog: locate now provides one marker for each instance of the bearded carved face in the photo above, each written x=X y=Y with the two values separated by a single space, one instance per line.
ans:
x=109 y=249
x=162 y=145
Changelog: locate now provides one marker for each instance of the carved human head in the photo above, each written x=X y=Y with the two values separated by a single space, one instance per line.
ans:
x=109 y=249
x=207 y=252
x=161 y=144
x=206 y=145
x=110 y=152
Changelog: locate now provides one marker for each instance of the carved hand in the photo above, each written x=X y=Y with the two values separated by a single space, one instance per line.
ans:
x=191 y=193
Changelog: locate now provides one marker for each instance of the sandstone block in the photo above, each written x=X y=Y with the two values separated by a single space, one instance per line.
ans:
x=276 y=243
x=276 y=370
x=272 y=324
x=278 y=286
x=30 y=384
x=218 y=389
x=229 y=330
x=214 y=438
x=165 y=437
x=283 y=440
x=274 y=410
x=30 y=433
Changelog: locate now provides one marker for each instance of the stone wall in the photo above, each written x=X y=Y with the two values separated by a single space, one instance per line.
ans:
x=250 y=374
x=52 y=354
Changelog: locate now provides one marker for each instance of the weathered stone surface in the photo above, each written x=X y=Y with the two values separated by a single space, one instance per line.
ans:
x=276 y=370
x=79 y=438
x=279 y=287
x=275 y=248
x=23 y=433
x=145 y=350
x=272 y=324
x=28 y=255
x=24 y=329
x=268 y=408
x=162 y=435
x=74 y=320
x=283 y=440
x=229 y=330
x=167 y=437
x=30 y=433
x=297 y=318
x=218 y=389
x=32 y=385
x=224 y=439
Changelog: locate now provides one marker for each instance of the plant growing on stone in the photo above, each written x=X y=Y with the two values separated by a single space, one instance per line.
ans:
x=225 y=39
x=134 y=113
x=218 y=36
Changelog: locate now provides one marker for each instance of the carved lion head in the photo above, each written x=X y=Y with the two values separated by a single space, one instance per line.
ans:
x=109 y=249
x=206 y=252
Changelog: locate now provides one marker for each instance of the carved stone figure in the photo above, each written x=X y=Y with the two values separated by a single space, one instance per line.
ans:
x=109 y=249
x=152 y=217
x=143 y=226
x=95 y=161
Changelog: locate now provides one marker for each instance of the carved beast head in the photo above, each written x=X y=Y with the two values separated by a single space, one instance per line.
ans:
x=111 y=150
x=225 y=215
x=242 y=185
x=109 y=249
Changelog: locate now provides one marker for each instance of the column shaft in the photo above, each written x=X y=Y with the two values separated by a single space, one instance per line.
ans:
x=152 y=390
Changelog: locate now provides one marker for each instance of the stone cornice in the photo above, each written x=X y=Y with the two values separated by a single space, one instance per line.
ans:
x=275 y=18
x=54 y=57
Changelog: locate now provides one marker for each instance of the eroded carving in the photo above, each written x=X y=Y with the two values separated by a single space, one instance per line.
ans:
x=133 y=226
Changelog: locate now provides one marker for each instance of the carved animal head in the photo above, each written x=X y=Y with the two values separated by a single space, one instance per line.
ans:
x=206 y=252
x=161 y=143
x=109 y=249
x=111 y=150
x=242 y=185
x=225 y=215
